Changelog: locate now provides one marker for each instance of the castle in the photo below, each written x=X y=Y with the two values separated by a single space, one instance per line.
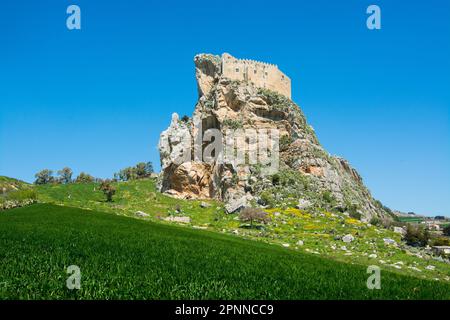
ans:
x=261 y=74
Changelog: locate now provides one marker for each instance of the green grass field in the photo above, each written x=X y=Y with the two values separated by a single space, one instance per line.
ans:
x=123 y=258
x=316 y=228
x=411 y=219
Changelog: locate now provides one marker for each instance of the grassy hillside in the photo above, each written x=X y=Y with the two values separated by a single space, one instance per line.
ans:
x=15 y=193
x=122 y=258
x=10 y=184
x=319 y=230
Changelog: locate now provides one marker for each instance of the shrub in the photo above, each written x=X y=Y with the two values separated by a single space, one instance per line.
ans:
x=416 y=236
x=267 y=198
x=253 y=215
x=233 y=124
x=441 y=241
x=375 y=221
x=328 y=197
x=275 y=179
x=285 y=141
x=353 y=211
x=108 y=189
x=355 y=215
x=84 y=178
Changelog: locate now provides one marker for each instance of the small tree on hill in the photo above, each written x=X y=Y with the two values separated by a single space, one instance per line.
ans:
x=65 y=175
x=44 y=177
x=126 y=174
x=84 y=178
x=416 y=236
x=139 y=171
x=108 y=189
x=253 y=215
x=143 y=169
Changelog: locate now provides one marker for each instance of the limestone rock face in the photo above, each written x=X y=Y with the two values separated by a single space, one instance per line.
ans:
x=188 y=180
x=208 y=68
x=306 y=172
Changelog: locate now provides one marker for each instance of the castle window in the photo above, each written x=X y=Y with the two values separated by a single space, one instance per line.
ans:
x=237 y=69
x=254 y=71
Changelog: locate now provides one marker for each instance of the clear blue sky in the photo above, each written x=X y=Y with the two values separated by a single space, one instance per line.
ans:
x=97 y=99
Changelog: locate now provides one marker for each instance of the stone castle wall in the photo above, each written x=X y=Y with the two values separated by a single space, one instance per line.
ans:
x=261 y=74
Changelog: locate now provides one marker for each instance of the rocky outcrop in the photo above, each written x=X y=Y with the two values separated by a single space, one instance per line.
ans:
x=306 y=171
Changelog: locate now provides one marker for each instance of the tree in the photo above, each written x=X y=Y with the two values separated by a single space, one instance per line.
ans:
x=139 y=171
x=44 y=177
x=126 y=174
x=84 y=178
x=253 y=215
x=144 y=169
x=446 y=230
x=416 y=236
x=108 y=189
x=65 y=175
x=149 y=168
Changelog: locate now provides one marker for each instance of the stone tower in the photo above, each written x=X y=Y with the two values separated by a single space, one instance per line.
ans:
x=261 y=74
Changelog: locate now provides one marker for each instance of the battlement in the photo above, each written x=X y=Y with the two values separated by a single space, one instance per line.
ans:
x=261 y=74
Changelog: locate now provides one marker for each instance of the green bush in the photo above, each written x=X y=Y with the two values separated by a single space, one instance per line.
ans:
x=232 y=124
x=285 y=141
x=355 y=215
x=352 y=209
x=440 y=241
x=275 y=179
x=416 y=236
x=375 y=221
x=268 y=199
x=328 y=198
